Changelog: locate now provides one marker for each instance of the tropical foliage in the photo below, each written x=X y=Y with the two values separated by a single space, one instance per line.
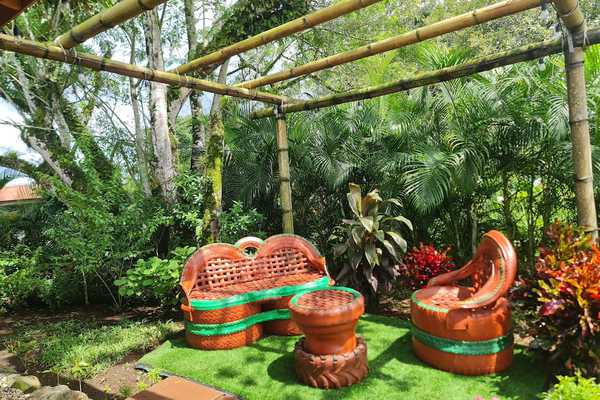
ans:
x=568 y=288
x=373 y=244
x=422 y=263
x=573 y=388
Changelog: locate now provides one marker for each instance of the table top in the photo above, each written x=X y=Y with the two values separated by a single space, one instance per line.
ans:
x=326 y=298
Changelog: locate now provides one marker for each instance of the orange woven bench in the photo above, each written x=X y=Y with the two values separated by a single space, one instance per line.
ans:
x=236 y=293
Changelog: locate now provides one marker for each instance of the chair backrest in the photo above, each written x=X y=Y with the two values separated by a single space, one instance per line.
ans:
x=494 y=267
x=219 y=265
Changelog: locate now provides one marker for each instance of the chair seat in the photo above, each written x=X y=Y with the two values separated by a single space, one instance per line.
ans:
x=441 y=298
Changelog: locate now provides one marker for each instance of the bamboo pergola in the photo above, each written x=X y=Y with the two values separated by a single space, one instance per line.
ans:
x=568 y=11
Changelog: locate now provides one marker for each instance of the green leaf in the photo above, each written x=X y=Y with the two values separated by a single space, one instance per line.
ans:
x=371 y=254
x=398 y=239
x=368 y=223
x=391 y=249
x=355 y=199
x=339 y=249
x=401 y=219
x=357 y=235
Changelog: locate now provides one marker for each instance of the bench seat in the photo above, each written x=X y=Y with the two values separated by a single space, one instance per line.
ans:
x=233 y=297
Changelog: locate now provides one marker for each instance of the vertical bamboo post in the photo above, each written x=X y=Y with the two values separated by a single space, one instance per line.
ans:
x=285 y=188
x=580 y=140
x=573 y=18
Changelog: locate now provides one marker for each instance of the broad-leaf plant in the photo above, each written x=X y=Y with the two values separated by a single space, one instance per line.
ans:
x=373 y=243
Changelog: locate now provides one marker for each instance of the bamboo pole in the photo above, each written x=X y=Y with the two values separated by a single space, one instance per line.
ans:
x=453 y=24
x=573 y=18
x=285 y=188
x=287 y=29
x=580 y=140
x=524 y=53
x=105 y=20
x=52 y=52
x=570 y=14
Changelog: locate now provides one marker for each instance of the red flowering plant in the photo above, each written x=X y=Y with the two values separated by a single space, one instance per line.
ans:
x=568 y=287
x=422 y=263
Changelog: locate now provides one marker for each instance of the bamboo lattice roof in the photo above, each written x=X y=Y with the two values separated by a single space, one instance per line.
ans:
x=568 y=10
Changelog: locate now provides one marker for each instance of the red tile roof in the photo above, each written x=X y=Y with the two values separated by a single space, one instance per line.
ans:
x=18 y=194
x=10 y=9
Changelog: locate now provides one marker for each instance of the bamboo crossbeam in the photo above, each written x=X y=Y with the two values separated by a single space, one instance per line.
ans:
x=570 y=13
x=279 y=32
x=520 y=54
x=453 y=24
x=105 y=20
x=53 y=52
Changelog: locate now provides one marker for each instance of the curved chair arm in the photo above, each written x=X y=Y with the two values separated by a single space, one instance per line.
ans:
x=495 y=248
x=451 y=277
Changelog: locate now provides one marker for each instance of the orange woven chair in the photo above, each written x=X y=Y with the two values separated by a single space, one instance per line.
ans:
x=236 y=293
x=468 y=329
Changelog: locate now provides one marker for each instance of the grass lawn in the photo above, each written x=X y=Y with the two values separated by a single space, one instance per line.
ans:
x=81 y=349
x=265 y=370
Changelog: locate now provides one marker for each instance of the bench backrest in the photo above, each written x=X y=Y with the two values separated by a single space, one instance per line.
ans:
x=216 y=266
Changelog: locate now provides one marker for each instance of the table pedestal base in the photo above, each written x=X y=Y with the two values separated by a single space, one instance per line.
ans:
x=331 y=371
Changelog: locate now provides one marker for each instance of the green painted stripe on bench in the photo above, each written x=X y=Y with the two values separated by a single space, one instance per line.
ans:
x=236 y=326
x=283 y=291
x=473 y=348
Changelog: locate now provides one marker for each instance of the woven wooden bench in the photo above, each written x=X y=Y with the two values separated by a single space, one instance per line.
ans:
x=236 y=293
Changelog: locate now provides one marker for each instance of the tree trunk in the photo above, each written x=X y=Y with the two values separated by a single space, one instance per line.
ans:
x=213 y=168
x=140 y=132
x=161 y=139
x=198 y=129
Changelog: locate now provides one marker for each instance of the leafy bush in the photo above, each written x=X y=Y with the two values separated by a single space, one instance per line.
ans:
x=568 y=288
x=373 y=243
x=238 y=221
x=155 y=279
x=573 y=388
x=19 y=282
x=423 y=263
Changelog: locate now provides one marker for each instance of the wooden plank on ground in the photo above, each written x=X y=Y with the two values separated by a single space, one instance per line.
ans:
x=176 y=388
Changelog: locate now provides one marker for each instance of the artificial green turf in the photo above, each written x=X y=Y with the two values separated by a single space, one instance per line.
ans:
x=265 y=370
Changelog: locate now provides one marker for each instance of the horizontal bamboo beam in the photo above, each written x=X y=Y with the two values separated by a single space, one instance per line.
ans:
x=524 y=53
x=436 y=29
x=281 y=31
x=53 y=52
x=570 y=13
x=105 y=20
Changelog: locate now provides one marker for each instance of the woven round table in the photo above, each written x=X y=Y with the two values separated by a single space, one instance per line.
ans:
x=330 y=355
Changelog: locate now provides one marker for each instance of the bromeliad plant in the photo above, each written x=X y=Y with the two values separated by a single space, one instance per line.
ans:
x=373 y=244
x=568 y=288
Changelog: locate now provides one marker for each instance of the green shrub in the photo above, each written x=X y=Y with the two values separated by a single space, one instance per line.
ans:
x=155 y=279
x=19 y=281
x=373 y=244
x=238 y=222
x=573 y=388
